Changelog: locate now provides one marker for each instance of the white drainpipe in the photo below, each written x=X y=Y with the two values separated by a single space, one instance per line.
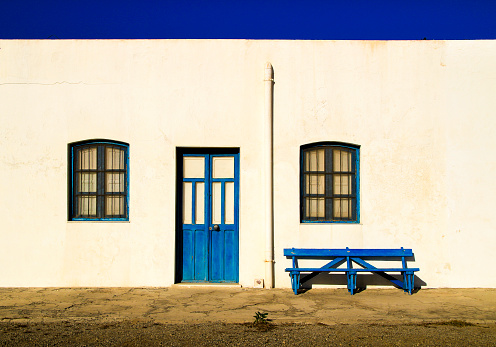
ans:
x=269 y=220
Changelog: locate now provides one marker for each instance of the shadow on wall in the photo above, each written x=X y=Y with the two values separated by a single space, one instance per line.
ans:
x=363 y=280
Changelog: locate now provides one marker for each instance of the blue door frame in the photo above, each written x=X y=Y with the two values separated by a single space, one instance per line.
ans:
x=207 y=239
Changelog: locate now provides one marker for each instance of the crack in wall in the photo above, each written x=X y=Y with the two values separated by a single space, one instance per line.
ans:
x=52 y=84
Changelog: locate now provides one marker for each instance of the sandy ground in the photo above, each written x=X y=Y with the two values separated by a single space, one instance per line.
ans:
x=181 y=316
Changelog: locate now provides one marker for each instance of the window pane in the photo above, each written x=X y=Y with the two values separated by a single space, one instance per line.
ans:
x=342 y=184
x=229 y=203
x=336 y=161
x=115 y=159
x=315 y=184
x=187 y=202
x=200 y=203
x=321 y=159
x=342 y=208
x=194 y=167
x=223 y=167
x=314 y=160
x=216 y=203
x=115 y=182
x=87 y=206
x=87 y=159
x=341 y=161
x=87 y=183
x=315 y=207
x=114 y=205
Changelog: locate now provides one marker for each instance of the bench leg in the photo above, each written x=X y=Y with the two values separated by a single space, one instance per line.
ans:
x=351 y=276
x=295 y=281
x=408 y=281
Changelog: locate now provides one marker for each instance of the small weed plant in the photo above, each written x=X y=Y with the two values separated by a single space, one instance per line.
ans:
x=262 y=323
x=260 y=318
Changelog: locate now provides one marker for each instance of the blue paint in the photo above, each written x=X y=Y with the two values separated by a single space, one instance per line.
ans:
x=209 y=255
x=351 y=256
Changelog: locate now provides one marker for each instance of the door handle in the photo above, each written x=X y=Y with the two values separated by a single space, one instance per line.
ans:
x=216 y=227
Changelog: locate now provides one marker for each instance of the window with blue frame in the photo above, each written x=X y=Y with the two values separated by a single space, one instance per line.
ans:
x=99 y=180
x=329 y=190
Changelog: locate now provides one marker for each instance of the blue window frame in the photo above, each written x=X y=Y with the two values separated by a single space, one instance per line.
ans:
x=99 y=180
x=329 y=190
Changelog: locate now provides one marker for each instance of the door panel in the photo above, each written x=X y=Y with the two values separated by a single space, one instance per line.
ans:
x=195 y=242
x=210 y=184
x=230 y=267
x=217 y=260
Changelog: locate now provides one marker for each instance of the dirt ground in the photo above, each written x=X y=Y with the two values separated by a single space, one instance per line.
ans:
x=179 y=316
x=451 y=333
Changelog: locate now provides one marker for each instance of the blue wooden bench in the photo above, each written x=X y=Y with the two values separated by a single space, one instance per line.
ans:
x=348 y=256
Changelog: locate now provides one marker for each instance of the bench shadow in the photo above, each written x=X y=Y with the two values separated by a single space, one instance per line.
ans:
x=363 y=281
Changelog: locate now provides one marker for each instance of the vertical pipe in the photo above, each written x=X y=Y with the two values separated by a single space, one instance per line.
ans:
x=269 y=221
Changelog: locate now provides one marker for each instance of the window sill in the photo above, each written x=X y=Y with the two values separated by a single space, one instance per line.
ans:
x=327 y=223
x=98 y=221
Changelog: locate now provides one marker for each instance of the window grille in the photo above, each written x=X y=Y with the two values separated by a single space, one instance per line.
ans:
x=99 y=181
x=329 y=183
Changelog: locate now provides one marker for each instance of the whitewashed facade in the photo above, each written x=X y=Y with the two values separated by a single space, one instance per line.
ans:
x=423 y=114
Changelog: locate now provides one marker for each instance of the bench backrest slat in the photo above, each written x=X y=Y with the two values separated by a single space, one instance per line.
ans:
x=326 y=253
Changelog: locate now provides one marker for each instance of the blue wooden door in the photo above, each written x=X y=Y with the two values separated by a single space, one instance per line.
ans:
x=210 y=185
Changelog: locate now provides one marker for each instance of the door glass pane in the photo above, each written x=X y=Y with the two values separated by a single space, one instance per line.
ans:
x=200 y=203
x=115 y=182
x=229 y=203
x=223 y=167
x=87 y=206
x=114 y=205
x=87 y=182
x=216 y=203
x=187 y=202
x=115 y=159
x=194 y=167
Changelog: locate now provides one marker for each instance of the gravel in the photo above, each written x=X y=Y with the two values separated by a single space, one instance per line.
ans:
x=138 y=333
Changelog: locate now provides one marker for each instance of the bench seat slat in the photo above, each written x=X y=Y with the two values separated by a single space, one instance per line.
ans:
x=323 y=253
x=318 y=269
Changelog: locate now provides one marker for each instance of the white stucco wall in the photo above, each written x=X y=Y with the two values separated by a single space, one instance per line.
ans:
x=423 y=113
